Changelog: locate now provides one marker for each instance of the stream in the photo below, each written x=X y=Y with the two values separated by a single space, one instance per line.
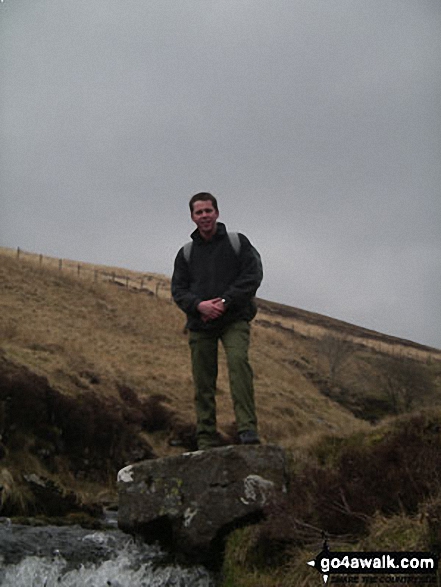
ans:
x=71 y=556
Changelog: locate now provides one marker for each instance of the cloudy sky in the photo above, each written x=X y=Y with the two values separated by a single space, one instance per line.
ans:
x=316 y=123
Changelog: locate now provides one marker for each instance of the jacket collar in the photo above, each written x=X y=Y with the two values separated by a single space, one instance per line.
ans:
x=221 y=231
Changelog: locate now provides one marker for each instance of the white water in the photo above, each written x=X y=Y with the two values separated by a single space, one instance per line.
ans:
x=129 y=565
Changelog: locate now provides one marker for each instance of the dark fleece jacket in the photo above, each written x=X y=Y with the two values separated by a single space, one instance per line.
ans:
x=216 y=270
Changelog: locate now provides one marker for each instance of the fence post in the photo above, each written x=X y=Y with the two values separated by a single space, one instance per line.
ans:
x=18 y=253
x=41 y=260
x=127 y=282
x=96 y=276
x=60 y=264
x=79 y=268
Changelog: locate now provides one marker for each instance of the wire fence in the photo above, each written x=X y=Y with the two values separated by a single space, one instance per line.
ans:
x=151 y=284
x=159 y=287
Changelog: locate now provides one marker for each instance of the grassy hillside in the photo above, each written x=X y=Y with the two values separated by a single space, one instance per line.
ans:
x=85 y=336
x=95 y=374
x=88 y=335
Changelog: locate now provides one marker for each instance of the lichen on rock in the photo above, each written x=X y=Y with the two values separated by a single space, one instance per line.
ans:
x=189 y=503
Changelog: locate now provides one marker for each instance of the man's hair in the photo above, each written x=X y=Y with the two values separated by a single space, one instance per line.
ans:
x=204 y=196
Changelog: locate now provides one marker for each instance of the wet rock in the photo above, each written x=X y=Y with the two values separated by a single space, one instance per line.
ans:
x=75 y=544
x=77 y=557
x=189 y=503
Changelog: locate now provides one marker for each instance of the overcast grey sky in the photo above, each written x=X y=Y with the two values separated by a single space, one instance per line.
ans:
x=316 y=123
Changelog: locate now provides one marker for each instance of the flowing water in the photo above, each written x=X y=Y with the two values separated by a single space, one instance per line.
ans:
x=53 y=556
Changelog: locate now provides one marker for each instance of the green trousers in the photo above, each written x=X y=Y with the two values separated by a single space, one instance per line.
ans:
x=235 y=339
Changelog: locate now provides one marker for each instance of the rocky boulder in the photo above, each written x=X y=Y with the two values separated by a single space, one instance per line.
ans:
x=189 y=503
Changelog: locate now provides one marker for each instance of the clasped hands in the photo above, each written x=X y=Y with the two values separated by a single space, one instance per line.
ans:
x=211 y=309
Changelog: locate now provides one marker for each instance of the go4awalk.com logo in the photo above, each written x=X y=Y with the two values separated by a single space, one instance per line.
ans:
x=396 y=567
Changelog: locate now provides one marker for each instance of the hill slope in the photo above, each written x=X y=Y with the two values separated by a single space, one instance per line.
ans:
x=106 y=375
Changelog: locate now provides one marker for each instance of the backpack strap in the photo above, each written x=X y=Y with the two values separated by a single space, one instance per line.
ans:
x=187 y=250
x=234 y=240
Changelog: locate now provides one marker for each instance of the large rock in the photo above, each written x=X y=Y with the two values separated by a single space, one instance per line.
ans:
x=190 y=502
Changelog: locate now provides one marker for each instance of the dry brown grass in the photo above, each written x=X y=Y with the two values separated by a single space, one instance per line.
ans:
x=84 y=335
x=122 y=352
x=316 y=326
x=370 y=492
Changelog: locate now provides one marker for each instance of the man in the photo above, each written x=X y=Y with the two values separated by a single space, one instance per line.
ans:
x=214 y=282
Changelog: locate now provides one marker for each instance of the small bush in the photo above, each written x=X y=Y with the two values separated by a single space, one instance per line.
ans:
x=388 y=473
x=156 y=416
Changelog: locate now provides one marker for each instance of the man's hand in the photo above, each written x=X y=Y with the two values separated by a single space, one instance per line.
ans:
x=211 y=309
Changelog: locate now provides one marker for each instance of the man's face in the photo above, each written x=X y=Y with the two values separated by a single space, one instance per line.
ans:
x=205 y=216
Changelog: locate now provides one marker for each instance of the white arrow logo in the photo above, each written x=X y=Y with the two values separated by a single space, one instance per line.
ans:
x=312 y=564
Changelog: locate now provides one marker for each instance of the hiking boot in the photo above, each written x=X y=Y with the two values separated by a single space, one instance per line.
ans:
x=249 y=437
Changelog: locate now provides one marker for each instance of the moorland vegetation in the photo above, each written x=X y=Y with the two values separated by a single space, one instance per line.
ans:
x=95 y=375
